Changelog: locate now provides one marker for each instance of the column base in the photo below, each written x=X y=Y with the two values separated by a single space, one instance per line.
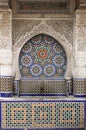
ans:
x=6 y=86
x=79 y=87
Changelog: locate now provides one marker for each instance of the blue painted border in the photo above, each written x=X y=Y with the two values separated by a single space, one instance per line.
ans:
x=44 y=129
x=15 y=94
x=45 y=100
x=21 y=94
x=42 y=94
x=6 y=94
x=70 y=94
x=79 y=95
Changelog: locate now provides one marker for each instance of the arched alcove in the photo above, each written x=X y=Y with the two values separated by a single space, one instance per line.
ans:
x=42 y=57
x=42 y=65
x=42 y=28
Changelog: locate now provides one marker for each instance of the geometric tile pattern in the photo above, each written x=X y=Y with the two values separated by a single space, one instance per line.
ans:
x=6 y=83
x=79 y=86
x=42 y=114
x=42 y=57
x=27 y=86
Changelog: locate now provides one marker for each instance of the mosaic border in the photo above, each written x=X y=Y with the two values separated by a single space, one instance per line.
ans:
x=81 y=96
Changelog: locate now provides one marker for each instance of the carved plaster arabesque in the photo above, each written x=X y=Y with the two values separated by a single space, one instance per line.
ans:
x=80 y=30
x=6 y=29
x=20 y=27
x=82 y=46
x=45 y=29
x=79 y=60
x=65 y=27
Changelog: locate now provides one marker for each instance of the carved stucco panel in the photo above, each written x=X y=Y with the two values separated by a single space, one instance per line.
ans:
x=81 y=30
x=20 y=27
x=65 y=27
x=41 y=28
x=82 y=46
x=79 y=60
x=6 y=29
x=81 y=17
x=79 y=67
